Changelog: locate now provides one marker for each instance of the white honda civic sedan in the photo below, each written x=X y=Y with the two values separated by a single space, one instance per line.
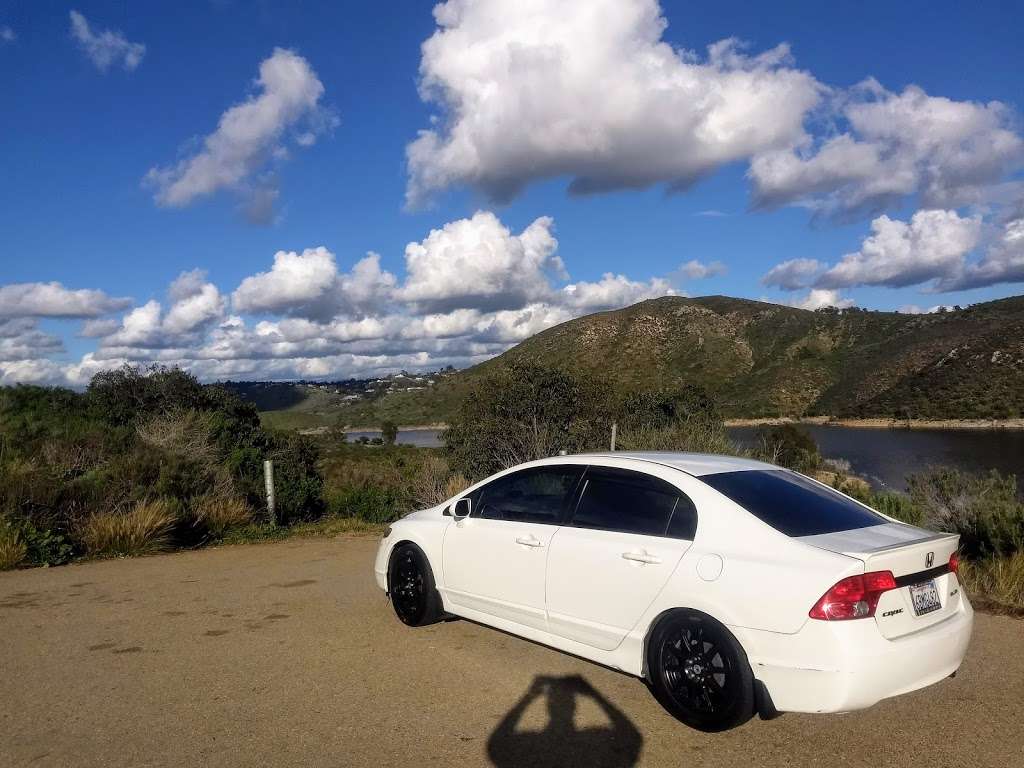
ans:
x=732 y=587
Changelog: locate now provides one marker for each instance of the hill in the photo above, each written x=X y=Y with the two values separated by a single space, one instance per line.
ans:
x=763 y=360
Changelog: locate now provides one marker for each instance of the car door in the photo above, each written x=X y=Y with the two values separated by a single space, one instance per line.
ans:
x=494 y=560
x=611 y=559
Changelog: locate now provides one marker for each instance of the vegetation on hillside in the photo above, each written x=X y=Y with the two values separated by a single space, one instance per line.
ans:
x=148 y=460
x=140 y=461
x=765 y=360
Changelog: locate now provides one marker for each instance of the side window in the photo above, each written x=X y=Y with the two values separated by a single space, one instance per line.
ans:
x=631 y=502
x=530 y=496
x=683 y=524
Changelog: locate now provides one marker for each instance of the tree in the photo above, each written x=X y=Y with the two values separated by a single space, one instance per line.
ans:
x=525 y=411
x=684 y=419
x=791 y=446
x=389 y=432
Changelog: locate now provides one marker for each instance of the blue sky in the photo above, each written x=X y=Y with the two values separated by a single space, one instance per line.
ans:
x=92 y=107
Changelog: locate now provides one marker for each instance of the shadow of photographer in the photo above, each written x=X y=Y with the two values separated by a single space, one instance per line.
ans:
x=612 y=745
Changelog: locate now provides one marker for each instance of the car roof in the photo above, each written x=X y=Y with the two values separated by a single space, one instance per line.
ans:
x=696 y=464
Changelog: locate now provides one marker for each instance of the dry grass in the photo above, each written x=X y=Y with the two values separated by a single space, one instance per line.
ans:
x=434 y=483
x=12 y=549
x=184 y=432
x=330 y=527
x=144 y=529
x=996 y=583
x=218 y=513
x=338 y=526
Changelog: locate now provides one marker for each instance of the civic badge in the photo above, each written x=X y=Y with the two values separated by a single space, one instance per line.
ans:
x=929 y=560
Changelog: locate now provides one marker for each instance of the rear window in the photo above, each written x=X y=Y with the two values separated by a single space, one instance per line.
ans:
x=791 y=503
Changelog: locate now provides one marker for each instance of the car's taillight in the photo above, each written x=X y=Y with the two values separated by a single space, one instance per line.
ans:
x=954 y=563
x=855 y=597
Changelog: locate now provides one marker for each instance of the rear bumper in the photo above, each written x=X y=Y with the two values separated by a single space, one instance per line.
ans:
x=844 y=666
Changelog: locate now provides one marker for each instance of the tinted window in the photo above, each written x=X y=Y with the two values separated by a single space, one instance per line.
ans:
x=530 y=496
x=791 y=503
x=634 y=503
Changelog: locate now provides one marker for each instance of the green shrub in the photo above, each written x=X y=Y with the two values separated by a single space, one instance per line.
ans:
x=984 y=509
x=77 y=469
x=789 y=446
x=298 y=484
x=688 y=434
x=371 y=504
x=666 y=420
x=46 y=546
x=897 y=505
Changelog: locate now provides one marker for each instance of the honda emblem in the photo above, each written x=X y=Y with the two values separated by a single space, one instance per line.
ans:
x=929 y=559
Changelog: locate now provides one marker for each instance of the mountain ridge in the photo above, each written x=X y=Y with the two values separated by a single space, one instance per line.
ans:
x=763 y=360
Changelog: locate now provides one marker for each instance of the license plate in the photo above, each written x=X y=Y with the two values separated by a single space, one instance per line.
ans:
x=925 y=598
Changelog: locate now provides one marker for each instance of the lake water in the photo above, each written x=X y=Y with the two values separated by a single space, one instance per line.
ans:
x=885 y=457
x=421 y=438
x=882 y=456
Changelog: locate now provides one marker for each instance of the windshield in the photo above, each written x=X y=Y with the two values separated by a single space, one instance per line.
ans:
x=792 y=503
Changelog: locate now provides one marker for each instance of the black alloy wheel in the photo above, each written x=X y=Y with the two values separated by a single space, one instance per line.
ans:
x=699 y=672
x=411 y=587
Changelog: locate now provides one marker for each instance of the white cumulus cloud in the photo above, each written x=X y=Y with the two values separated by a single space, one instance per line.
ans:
x=613 y=291
x=931 y=246
x=195 y=303
x=21 y=339
x=478 y=262
x=939 y=250
x=248 y=137
x=54 y=300
x=309 y=284
x=588 y=89
x=698 y=270
x=818 y=298
x=1003 y=262
x=471 y=289
x=295 y=280
x=105 y=48
x=891 y=146
x=793 y=274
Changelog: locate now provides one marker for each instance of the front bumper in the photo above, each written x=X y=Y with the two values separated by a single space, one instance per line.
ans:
x=380 y=564
x=844 y=666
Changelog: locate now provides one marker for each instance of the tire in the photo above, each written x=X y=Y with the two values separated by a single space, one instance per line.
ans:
x=411 y=587
x=699 y=672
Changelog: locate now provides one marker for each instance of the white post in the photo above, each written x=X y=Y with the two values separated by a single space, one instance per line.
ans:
x=615 y=428
x=268 y=476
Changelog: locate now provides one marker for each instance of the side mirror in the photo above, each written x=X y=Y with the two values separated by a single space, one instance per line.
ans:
x=462 y=508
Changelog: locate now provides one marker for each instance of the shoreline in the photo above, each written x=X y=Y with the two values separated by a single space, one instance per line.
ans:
x=402 y=428
x=821 y=421
x=880 y=423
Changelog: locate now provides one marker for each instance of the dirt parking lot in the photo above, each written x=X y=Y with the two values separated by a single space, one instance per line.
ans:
x=287 y=654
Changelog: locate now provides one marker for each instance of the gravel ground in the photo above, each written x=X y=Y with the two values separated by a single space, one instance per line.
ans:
x=287 y=654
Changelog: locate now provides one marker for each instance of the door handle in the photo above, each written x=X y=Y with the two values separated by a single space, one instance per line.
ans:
x=529 y=541
x=641 y=557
